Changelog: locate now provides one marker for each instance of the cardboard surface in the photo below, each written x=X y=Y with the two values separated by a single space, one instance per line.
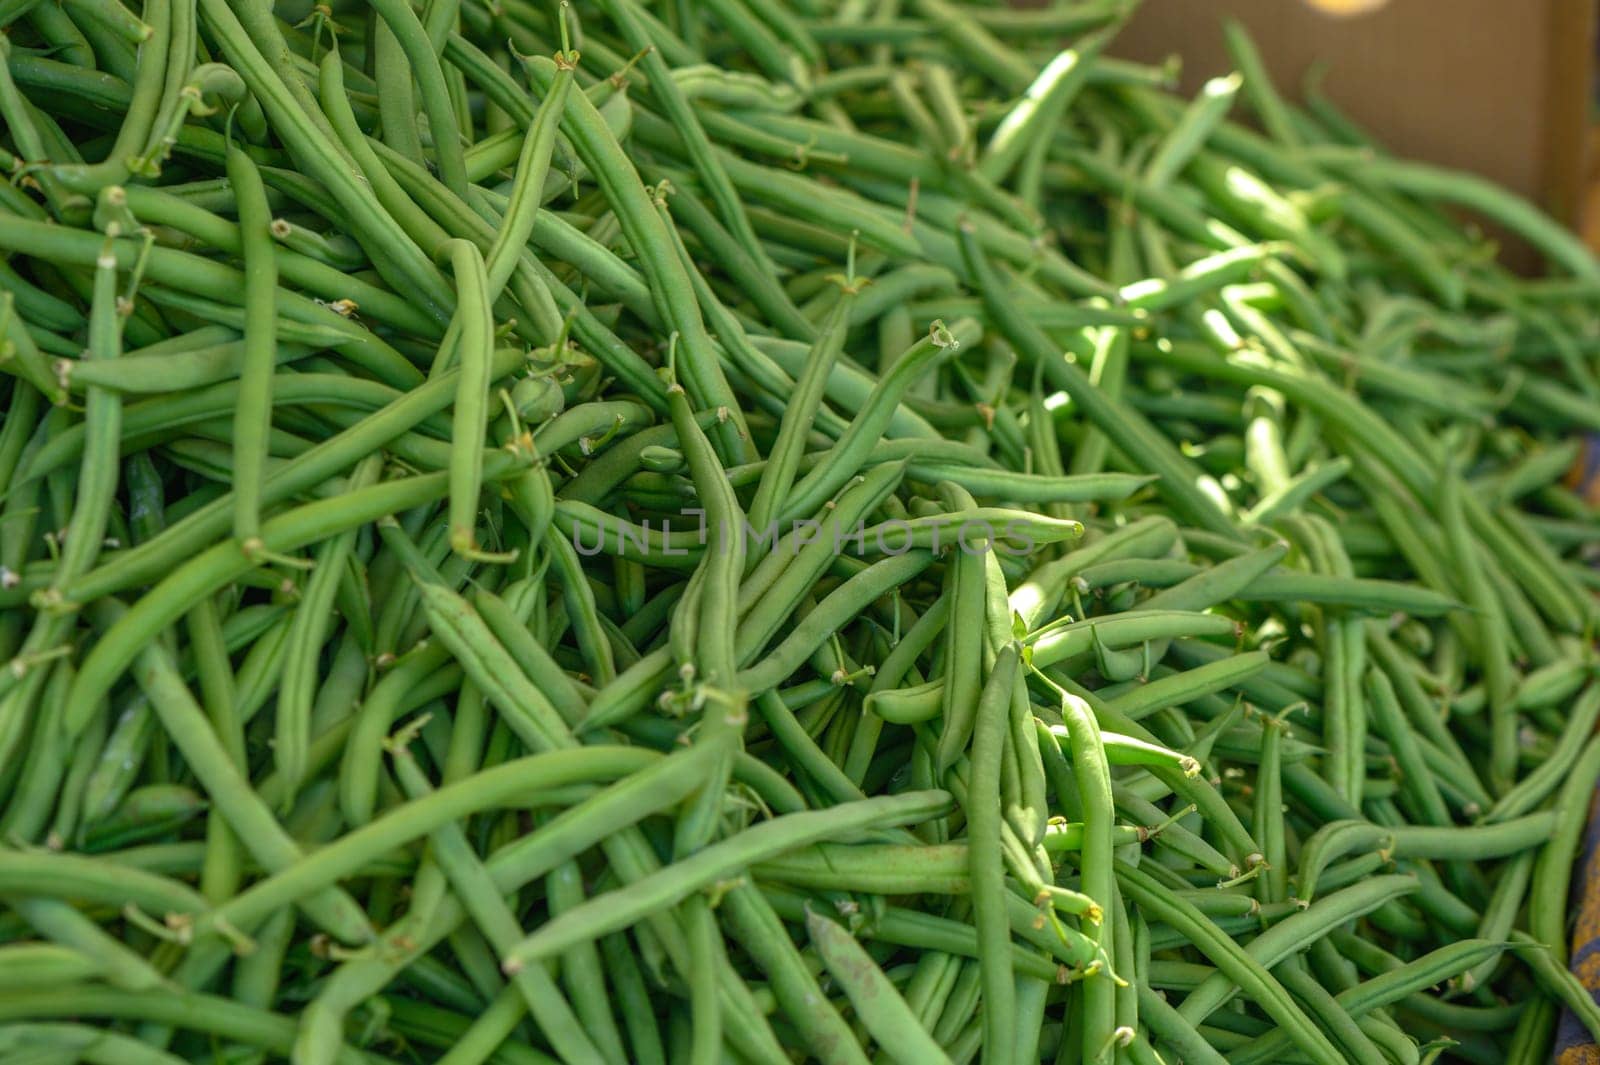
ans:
x=1497 y=87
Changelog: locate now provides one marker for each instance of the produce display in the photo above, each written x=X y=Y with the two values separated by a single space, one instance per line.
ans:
x=744 y=531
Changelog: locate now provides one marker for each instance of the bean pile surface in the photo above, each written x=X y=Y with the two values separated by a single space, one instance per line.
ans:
x=755 y=532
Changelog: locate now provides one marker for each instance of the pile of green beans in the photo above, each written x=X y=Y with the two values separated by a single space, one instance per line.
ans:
x=743 y=531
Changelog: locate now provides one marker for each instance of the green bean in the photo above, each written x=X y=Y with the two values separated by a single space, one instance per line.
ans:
x=1269 y=108
x=188 y=274
x=472 y=884
x=665 y=87
x=531 y=658
x=1477 y=843
x=963 y=657
x=643 y=1035
x=1498 y=670
x=1499 y=916
x=45 y=965
x=988 y=871
x=908 y=706
x=1350 y=1034
x=533 y=165
x=770 y=592
x=802 y=1001
x=149 y=87
x=246 y=813
x=81 y=1042
x=783 y=459
x=96 y=490
x=1121 y=426
x=1416 y=778
x=1093 y=774
x=1240 y=966
x=493 y=787
x=1552 y=684
x=1557 y=981
x=148 y=371
x=705 y=1023
x=1191 y=684
x=1191 y=131
x=718 y=613
x=64 y=925
x=185 y=537
x=120 y=762
x=1054 y=643
x=103 y=414
x=1268 y=824
x=57 y=27
x=215 y=567
x=870 y=422
x=397 y=258
x=627 y=195
x=1534 y=564
x=330 y=250
x=1532 y=789
x=1173 y=837
x=1373 y=596
x=1129 y=750
x=526 y=709
x=878 y=1005
x=849 y=388
x=949 y=521
x=891 y=869
x=1391 y=987
x=835 y=610
x=257 y=975
x=1172 y=1029
x=1552 y=867
x=1279 y=941
x=205 y=1013
x=1418 y=707
x=423 y=57
x=489 y=1031
x=475 y=348
x=253 y=418
x=1041 y=106
x=1473 y=193
x=307 y=633
x=46 y=767
x=615 y=910
x=567 y=835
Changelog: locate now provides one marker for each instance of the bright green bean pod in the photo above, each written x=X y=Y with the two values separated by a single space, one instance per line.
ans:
x=1190 y=132
x=983 y=809
x=1419 y=179
x=475 y=347
x=878 y=1004
x=306 y=636
x=97 y=482
x=398 y=258
x=618 y=909
x=783 y=459
x=843 y=461
x=1093 y=774
x=252 y=419
x=1123 y=427
x=1041 y=106
x=1288 y=935
x=628 y=197
x=533 y=165
x=1253 y=978
x=544 y=999
x=802 y=1001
